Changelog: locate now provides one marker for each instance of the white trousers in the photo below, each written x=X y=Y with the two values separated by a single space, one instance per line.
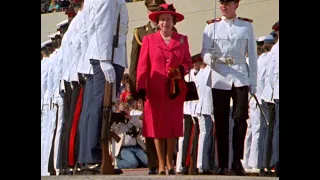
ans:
x=247 y=144
x=255 y=130
x=60 y=120
x=44 y=121
x=252 y=137
x=205 y=142
x=49 y=127
x=179 y=155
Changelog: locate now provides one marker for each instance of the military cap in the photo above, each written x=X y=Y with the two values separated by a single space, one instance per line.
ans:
x=52 y=36
x=152 y=5
x=260 y=40
x=268 y=39
x=196 y=58
x=273 y=33
x=275 y=27
x=70 y=12
x=45 y=43
x=62 y=24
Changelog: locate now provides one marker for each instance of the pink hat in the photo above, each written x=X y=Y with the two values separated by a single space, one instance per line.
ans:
x=166 y=8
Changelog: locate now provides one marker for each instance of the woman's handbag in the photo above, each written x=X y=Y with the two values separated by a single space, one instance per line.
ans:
x=192 y=93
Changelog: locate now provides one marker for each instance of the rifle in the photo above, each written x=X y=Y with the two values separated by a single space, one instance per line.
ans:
x=108 y=118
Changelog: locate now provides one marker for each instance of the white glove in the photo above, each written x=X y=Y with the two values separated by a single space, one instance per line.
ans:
x=108 y=71
x=252 y=89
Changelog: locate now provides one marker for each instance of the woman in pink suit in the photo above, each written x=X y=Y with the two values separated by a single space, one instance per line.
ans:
x=163 y=61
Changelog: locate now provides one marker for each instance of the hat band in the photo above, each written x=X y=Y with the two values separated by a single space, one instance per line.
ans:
x=170 y=8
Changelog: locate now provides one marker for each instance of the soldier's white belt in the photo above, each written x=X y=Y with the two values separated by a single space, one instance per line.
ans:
x=231 y=61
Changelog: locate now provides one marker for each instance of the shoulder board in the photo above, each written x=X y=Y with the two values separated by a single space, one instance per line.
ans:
x=213 y=20
x=245 y=19
x=136 y=35
x=146 y=28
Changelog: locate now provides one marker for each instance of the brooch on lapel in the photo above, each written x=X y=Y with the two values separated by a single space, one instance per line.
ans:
x=181 y=40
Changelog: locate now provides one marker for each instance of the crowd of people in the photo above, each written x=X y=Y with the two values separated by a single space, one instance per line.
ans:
x=171 y=113
x=49 y=6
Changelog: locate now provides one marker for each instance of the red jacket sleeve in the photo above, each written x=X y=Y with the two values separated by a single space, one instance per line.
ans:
x=143 y=70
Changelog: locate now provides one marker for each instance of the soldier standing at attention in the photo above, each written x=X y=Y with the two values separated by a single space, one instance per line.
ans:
x=226 y=41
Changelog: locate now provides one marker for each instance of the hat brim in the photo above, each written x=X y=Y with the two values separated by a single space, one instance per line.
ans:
x=153 y=16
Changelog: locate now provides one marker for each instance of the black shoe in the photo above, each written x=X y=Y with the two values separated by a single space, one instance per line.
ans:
x=152 y=171
x=162 y=173
x=68 y=171
x=93 y=168
x=78 y=169
x=118 y=171
x=206 y=172
x=172 y=172
x=261 y=172
x=62 y=172
x=185 y=170
x=269 y=173
x=238 y=168
x=221 y=171
x=277 y=169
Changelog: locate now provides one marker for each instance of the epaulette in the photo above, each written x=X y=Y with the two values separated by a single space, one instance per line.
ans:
x=146 y=28
x=213 y=20
x=245 y=19
x=136 y=35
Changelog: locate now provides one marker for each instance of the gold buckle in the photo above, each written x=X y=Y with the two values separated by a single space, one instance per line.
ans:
x=229 y=61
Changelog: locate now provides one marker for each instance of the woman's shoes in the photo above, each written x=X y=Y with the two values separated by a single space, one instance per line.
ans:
x=172 y=172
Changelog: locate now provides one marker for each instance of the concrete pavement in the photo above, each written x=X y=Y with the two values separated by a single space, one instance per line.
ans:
x=141 y=174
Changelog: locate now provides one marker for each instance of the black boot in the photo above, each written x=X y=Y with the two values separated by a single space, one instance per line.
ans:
x=238 y=168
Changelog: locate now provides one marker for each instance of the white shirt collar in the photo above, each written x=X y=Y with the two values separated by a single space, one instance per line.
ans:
x=229 y=20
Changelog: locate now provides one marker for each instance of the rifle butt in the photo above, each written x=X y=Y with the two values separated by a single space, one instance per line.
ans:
x=106 y=164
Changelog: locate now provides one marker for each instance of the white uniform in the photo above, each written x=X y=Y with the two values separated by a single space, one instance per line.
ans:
x=237 y=34
x=58 y=101
x=189 y=108
x=250 y=159
x=76 y=46
x=44 y=110
x=273 y=71
x=120 y=53
x=225 y=45
x=262 y=67
x=267 y=89
x=44 y=75
x=205 y=92
x=204 y=107
x=51 y=121
x=84 y=65
x=68 y=50
x=100 y=46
